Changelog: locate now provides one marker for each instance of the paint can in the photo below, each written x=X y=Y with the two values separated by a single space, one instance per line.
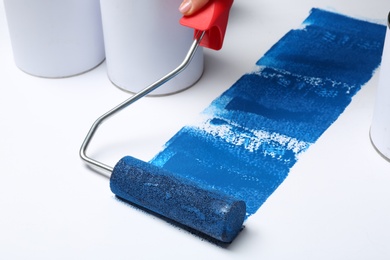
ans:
x=144 y=41
x=55 y=38
x=380 y=127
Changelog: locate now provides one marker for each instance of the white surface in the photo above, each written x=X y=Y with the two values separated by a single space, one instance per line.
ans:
x=334 y=204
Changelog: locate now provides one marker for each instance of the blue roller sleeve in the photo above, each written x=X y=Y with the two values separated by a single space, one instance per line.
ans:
x=212 y=213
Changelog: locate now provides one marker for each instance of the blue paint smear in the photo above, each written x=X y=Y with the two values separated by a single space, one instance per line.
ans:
x=253 y=134
x=329 y=46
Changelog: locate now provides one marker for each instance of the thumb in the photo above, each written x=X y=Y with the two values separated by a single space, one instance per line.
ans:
x=189 y=7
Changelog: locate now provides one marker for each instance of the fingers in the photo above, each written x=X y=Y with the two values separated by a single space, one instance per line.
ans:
x=189 y=7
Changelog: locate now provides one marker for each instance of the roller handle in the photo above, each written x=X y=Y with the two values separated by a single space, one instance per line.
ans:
x=212 y=213
x=213 y=18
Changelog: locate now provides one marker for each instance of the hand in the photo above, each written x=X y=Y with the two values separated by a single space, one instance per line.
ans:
x=189 y=7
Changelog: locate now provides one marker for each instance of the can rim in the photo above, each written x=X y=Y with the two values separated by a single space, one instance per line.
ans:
x=388 y=20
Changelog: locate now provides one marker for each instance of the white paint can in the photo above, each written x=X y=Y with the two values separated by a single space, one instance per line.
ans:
x=55 y=38
x=144 y=41
x=380 y=127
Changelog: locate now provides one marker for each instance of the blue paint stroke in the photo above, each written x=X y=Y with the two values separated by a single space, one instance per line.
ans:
x=330 y=46
x=252 y=135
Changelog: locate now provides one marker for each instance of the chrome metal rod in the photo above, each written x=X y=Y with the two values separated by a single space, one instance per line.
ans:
x=103 y=168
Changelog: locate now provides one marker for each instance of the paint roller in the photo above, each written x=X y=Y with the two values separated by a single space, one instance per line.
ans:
x=170 y=196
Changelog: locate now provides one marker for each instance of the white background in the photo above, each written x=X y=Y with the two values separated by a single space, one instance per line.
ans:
x=335 y=204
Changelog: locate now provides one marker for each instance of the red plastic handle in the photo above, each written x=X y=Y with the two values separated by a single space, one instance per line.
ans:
x=213 y=19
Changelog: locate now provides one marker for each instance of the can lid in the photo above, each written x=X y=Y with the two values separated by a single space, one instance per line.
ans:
x=212 y=19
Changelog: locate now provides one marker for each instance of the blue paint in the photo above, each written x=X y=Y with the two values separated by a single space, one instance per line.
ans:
x=330 y=46
x=254 y=132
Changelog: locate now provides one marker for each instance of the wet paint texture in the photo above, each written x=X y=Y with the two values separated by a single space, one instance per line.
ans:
x=251 y=136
